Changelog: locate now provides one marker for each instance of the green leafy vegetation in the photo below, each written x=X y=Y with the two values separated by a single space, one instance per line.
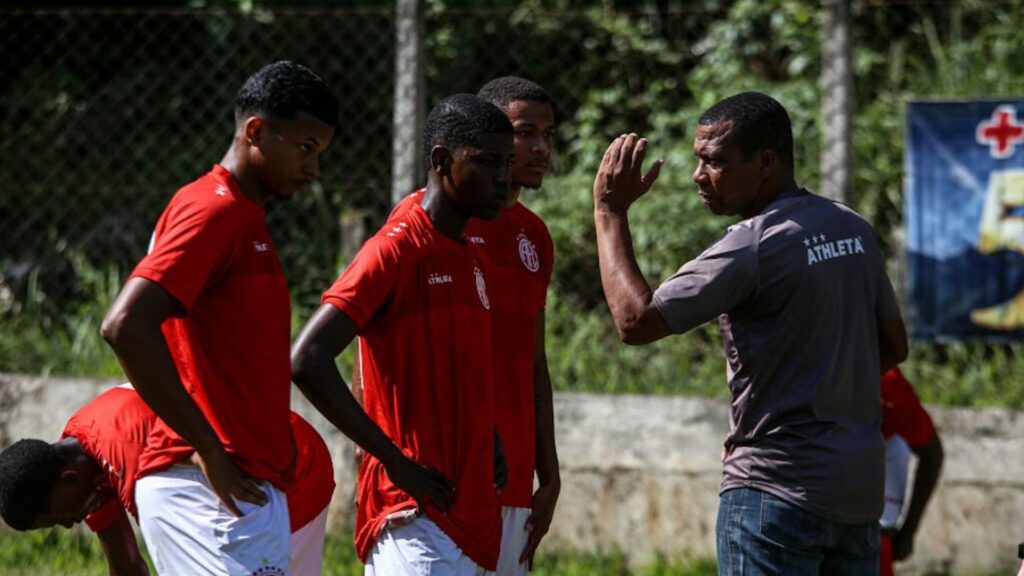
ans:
x=649 y=68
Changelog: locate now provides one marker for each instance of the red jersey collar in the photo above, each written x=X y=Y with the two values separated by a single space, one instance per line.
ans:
x=225 y=177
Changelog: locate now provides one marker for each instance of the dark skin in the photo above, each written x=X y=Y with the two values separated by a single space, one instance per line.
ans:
x=462 y=183
x=533 y=124
x=730 y=183
x=270 y=158
x=929 y=467
x=75 y=495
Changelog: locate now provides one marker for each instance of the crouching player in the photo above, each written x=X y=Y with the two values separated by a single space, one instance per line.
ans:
x=89 y=475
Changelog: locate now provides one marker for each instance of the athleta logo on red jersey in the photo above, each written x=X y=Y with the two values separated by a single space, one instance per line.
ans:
x=261 y=246
x=528 y=253
x=434 y=278
x=475 y=239
x=481 y=288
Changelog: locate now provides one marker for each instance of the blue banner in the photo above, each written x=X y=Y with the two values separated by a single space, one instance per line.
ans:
x=964 y=216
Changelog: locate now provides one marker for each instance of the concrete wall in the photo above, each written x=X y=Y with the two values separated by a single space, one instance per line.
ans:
x=640 y=474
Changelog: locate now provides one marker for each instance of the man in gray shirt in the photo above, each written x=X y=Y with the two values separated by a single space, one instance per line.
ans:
x=809 y=322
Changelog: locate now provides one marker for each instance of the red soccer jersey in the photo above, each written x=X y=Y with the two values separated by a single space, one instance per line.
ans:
x=902 y=412
x=112 y=430
x=420 y=301
x=212 y=252
x=314 y=475
x=519 y=255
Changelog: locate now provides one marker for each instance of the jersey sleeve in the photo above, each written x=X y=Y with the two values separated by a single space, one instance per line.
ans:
x=105 y=516
x=369 y=282
x=193 y=242
x=886 y=307
x=720 y=278
x=902 y=412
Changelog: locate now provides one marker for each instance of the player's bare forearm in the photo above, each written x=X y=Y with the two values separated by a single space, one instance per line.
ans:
x=544 y=405
x=132 y=328
x=122 y=550
x=926 y=478
x=625 y=288
x=325 y=336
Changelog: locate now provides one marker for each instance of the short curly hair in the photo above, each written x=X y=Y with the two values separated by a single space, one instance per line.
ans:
x=28 y=471
x=459 y=121
x=508 y=89
x=758 y=122
x=282 y=90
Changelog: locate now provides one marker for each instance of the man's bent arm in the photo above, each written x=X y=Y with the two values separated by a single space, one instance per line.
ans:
x=630 y=299
x=132 y=328
x=325 y=336
x=122 y=550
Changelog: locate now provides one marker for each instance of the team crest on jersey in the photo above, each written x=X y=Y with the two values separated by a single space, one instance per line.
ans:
x=528 y=253
x=481 y=288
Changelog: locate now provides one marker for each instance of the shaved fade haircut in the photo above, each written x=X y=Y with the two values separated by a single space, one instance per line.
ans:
x=459 y=121
x=508 y=89
x=282 y=90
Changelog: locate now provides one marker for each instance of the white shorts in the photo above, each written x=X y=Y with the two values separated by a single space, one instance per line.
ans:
x=308 y=547
x=513 y=541
x=419 y=548
x=189 y=532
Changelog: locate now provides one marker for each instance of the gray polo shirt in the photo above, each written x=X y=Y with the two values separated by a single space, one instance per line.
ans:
x=799 y=291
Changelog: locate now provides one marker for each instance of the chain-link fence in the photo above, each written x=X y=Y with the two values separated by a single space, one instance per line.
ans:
x=105 y=113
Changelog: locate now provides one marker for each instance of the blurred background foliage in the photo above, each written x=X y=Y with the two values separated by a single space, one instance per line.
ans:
x=100 y=128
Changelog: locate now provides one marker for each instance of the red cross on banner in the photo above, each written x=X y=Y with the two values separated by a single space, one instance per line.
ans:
x=1001 y=133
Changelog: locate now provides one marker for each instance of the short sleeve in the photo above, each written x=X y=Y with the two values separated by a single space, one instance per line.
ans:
x=192 y=242
x=902 y=412
x=105 y=516
x=886 y=307
x=368 y=283
x=713 y=283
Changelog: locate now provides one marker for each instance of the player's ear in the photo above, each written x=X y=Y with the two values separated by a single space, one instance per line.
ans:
x=68 y=476
x=253 y=128
x=767 y=160
x=440 y=160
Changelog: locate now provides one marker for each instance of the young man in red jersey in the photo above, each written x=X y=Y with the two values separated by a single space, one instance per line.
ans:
x=90 y=474
x=416 y=296
x=202 y=329
x=520 y=257
x=907 y=428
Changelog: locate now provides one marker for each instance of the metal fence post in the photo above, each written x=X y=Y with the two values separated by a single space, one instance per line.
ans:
x=836 y=101
x=410 y=99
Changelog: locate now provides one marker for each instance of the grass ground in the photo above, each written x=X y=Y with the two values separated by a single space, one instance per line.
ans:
x=60 y=552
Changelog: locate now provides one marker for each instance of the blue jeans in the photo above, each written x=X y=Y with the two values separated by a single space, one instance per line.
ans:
x=760 y=534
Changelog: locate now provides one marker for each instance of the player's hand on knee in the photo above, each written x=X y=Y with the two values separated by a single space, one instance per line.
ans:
x=228 y=482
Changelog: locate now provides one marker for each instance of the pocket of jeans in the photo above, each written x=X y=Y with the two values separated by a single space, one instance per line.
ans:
x=789 y=525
